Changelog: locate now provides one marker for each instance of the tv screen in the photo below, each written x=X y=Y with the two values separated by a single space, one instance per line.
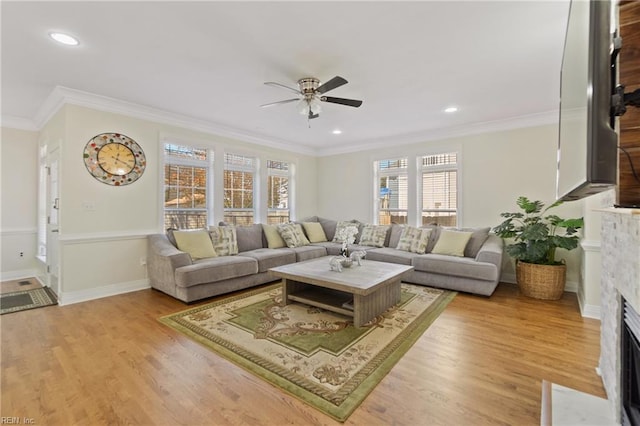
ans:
x=587 y=143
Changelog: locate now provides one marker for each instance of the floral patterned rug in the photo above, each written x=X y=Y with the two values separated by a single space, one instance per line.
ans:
x=315 y=355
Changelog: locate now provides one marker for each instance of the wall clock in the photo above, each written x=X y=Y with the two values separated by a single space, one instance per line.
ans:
x=114 y=159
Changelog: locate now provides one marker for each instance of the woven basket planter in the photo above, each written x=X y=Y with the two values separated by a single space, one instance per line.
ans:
x=541 y=281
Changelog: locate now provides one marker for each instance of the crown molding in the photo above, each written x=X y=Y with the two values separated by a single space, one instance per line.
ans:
x=61 y=96
x=19 y=123
x=532 y=120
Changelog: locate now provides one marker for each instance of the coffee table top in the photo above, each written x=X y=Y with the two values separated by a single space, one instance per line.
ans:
x=356 y=279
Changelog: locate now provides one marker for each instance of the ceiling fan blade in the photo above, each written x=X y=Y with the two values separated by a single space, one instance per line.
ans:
x=336 y=81
x=272 y=83
x=342 y=101
x=279 y=102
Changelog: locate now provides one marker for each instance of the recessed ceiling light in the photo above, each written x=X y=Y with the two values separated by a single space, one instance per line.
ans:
x=451 y=109
x=64 y=39
x=337 y=131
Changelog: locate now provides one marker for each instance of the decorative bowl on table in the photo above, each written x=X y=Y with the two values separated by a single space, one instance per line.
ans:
x=346 y=262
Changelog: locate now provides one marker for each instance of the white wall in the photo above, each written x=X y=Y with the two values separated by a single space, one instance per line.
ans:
x=496 y=168
x=18 y=211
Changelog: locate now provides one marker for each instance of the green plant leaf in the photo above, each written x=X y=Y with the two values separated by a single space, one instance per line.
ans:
x=529 y=206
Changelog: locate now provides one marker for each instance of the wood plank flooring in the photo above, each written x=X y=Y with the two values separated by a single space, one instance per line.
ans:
x=110 y=361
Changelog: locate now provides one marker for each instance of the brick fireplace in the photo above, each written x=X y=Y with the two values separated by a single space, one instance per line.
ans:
x=620 y=249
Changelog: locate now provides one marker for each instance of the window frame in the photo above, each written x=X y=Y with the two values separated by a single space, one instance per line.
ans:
x=254 y=170
x=439 y=168
x=378 y=174
x=287 y=174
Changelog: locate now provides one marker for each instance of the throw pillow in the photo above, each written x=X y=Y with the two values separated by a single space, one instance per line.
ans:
x=196 y=243
x=314 y=232
x=225 y=240
x=274 y=240
x=374 y=235
x=292 y=235
x=345 y=229
x=452 y=243
x=414 y=239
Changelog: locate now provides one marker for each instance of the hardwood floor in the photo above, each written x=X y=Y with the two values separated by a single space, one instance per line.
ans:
x=110 y=361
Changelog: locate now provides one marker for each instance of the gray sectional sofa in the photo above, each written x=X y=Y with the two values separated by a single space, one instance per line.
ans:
x=173 y=271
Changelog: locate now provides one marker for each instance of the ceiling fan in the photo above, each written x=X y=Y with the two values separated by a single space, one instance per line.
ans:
x=310 y=94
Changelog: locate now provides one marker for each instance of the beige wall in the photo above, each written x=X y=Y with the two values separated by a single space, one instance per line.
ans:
x=18 y=208
x=496 y=168
x=102 y=246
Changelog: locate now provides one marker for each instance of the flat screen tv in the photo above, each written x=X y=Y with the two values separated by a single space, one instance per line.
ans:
x=587 y=146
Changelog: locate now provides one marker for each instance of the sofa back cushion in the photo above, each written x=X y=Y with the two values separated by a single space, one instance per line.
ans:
x=393 y=237
x=249 y=237
x=329 y=227
x=478 y=237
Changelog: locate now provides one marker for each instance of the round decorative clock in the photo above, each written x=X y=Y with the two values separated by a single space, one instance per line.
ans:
x=114 y=159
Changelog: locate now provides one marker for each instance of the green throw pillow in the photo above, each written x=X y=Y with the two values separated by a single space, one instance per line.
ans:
x=225 y=240
x=452 y=243
x=274 y=240
x=314 y=232
x=414 y=239
x=374 y=235
x=196 y=243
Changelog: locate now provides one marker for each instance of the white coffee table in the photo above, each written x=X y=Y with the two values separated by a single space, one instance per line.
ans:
x=362 y=292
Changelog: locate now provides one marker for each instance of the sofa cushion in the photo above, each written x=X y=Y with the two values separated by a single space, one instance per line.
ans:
x=394 y=235
x=329 y=227
x=455 y=266
x=390 y=255
x=374 y=235
x=249 y=237
x=270 y=258
x=309 y=252
x=195 y=242
x=214 y=269
x=314 y=231
x=225 y=240
x=414 y=239
x=274 y=240
x=433 y=237
x=452 y=243
x=293 y=235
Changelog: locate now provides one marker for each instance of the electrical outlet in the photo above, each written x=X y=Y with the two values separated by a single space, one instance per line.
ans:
x=21 y=254
x=143 y=261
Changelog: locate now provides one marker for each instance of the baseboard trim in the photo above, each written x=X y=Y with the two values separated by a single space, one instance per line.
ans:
x=18 y=275
x=590 y=311
x=71 y=297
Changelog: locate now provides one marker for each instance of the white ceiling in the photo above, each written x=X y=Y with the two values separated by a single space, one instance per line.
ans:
x=208 y=61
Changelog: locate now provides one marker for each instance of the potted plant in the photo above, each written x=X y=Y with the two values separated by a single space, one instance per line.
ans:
x=536 y=236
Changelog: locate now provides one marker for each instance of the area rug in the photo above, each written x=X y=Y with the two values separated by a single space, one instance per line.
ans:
x=26 y=299
x=312 y=354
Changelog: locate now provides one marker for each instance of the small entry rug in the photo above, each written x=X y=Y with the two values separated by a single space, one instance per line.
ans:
x=312 y=354
x=26 y=299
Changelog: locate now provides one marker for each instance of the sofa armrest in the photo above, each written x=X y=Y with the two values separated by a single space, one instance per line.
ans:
x=162 y=260
x=491 y=251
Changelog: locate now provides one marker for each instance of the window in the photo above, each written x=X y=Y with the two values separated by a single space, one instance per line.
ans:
x=391 y=191
x=186 y=194
x=239 y=174
x=440 y=189
x=277 y=192
x=42 y=203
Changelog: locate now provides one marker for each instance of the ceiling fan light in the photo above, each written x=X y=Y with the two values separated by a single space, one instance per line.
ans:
x=303 y=107
x=314 y=104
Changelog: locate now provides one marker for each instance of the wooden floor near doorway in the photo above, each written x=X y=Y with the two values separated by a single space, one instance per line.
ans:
x=110 y=361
